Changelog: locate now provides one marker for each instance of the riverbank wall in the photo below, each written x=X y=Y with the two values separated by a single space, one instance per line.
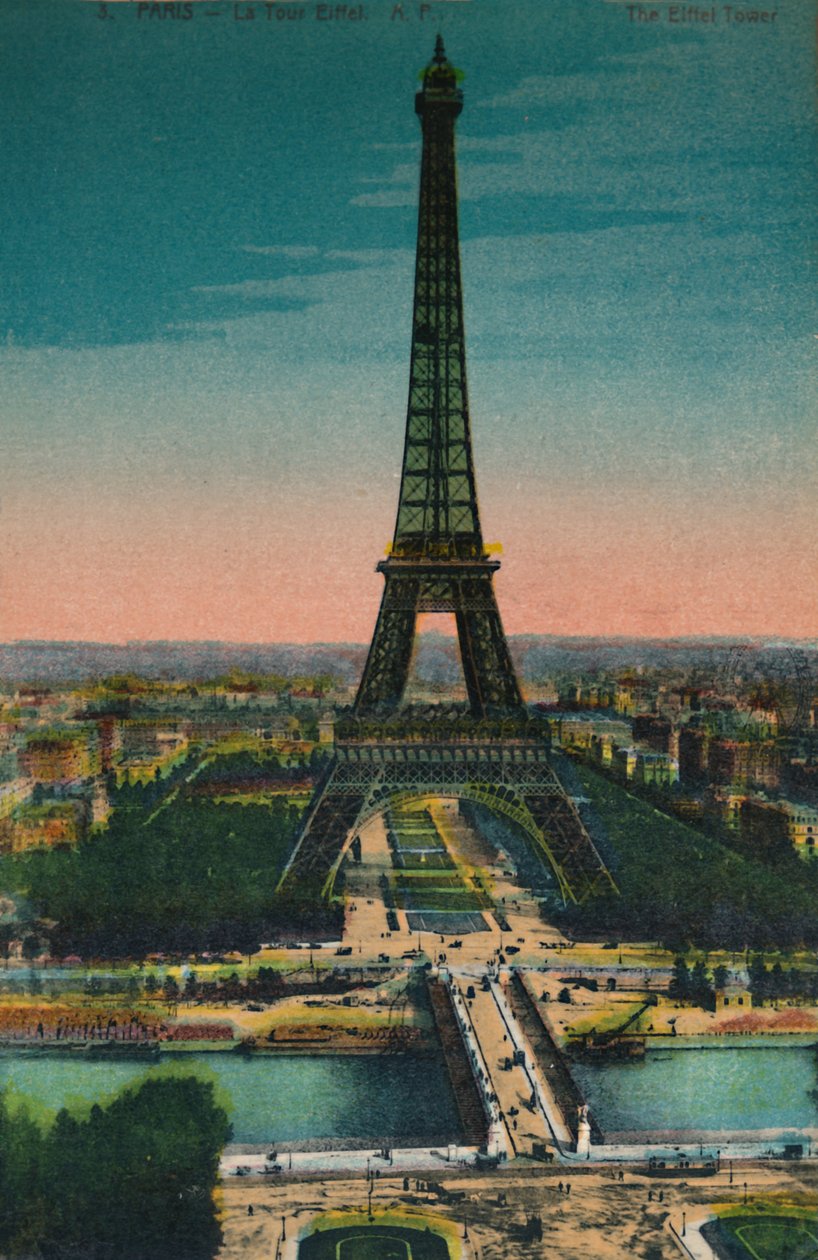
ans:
x=474 y=1119
x=548 y=1055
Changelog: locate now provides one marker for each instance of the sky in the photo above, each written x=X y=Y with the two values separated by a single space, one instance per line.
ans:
x=206 y=262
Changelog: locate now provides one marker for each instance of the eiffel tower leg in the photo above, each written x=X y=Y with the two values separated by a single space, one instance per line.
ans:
x=582 y=871
x=490 y=679
x=310 y=872
x=387 y=665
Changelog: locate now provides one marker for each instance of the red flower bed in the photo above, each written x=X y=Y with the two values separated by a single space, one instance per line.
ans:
x=789 y=1020
x=201 y=1032
x=60 y=1022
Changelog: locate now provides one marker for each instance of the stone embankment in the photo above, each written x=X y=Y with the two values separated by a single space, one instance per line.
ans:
x=548 y=1055
x=473 y=1118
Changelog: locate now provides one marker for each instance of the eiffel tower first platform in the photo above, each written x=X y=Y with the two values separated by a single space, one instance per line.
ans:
x=487 y=751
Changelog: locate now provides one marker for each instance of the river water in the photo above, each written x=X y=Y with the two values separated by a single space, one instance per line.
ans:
x=712 y=1088
x=404 y=1100
x=271 y=1098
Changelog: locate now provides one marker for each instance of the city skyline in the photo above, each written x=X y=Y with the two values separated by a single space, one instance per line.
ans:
x=207 y=330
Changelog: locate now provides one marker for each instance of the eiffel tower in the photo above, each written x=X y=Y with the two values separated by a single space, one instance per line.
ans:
x=387 y=752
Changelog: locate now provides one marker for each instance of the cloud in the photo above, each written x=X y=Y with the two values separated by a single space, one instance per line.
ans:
x=282 y=251
x=393 y=146
x=400 y=190
x=371 y=257
x=626 y=75
x=385 y=198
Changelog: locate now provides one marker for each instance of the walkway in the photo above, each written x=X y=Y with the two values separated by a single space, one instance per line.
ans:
x=514 y=1086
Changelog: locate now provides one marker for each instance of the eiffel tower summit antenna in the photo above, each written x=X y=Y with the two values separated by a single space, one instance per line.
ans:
x=386 y=751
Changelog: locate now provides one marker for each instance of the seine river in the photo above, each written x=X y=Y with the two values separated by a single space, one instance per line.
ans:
x=716 y=1088
x=271 y=1098
x=406 y=1100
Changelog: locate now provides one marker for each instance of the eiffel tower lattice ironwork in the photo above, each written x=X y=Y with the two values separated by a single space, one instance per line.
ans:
x=490 y=752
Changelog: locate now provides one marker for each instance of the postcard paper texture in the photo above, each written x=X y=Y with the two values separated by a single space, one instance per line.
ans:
x=408 y=755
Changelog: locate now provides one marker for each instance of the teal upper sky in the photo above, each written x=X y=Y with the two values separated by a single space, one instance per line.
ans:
x=207 y=257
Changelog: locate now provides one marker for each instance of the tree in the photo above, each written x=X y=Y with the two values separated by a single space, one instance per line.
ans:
x=777 y=981
x=759 y=980
x=20 y=1155
x=93 y=986
x=720 y=976
x=152 y=1193
x=679 y=986
x=700 y=989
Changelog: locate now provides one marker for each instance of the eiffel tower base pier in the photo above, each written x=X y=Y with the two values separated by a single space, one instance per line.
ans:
x=504 y=766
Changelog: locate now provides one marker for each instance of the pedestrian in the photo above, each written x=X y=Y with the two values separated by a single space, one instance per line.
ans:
x=560 y=1187
x=249 y=1209
x=661 y=1196
x=567 y=1188
x=650 y=1196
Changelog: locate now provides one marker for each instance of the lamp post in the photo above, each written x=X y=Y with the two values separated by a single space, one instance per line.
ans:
x=283 y=1228
x=684 y=1224
x=745 y=1192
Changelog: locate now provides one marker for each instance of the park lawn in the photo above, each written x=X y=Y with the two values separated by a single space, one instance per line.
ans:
x=678 y=884
x=770 y=1237
x=263 y=797
x=432 y=890
x=609 y=1014
x=426 y=1237
x=313 y=1010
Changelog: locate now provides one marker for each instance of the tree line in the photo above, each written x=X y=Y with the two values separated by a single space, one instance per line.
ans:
x=681 y=887
x=195 y=877
x=131 y=1179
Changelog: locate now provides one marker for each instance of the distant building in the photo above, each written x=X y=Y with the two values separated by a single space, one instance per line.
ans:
x=746 y=762
x=694 y=745
x=655 y=769
x=61 y=755
x=652 y=730
x=109 y=734
x=802 y=826
x=688 y=808
x=100 y=804
x=43 y=826
x=581 y=730
x=623 y=762
x=733 y=995
x=725 y=804
x=14 y=792
x=633 y=695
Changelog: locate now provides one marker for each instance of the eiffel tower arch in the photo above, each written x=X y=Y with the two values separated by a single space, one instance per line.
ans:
x=489 y=750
